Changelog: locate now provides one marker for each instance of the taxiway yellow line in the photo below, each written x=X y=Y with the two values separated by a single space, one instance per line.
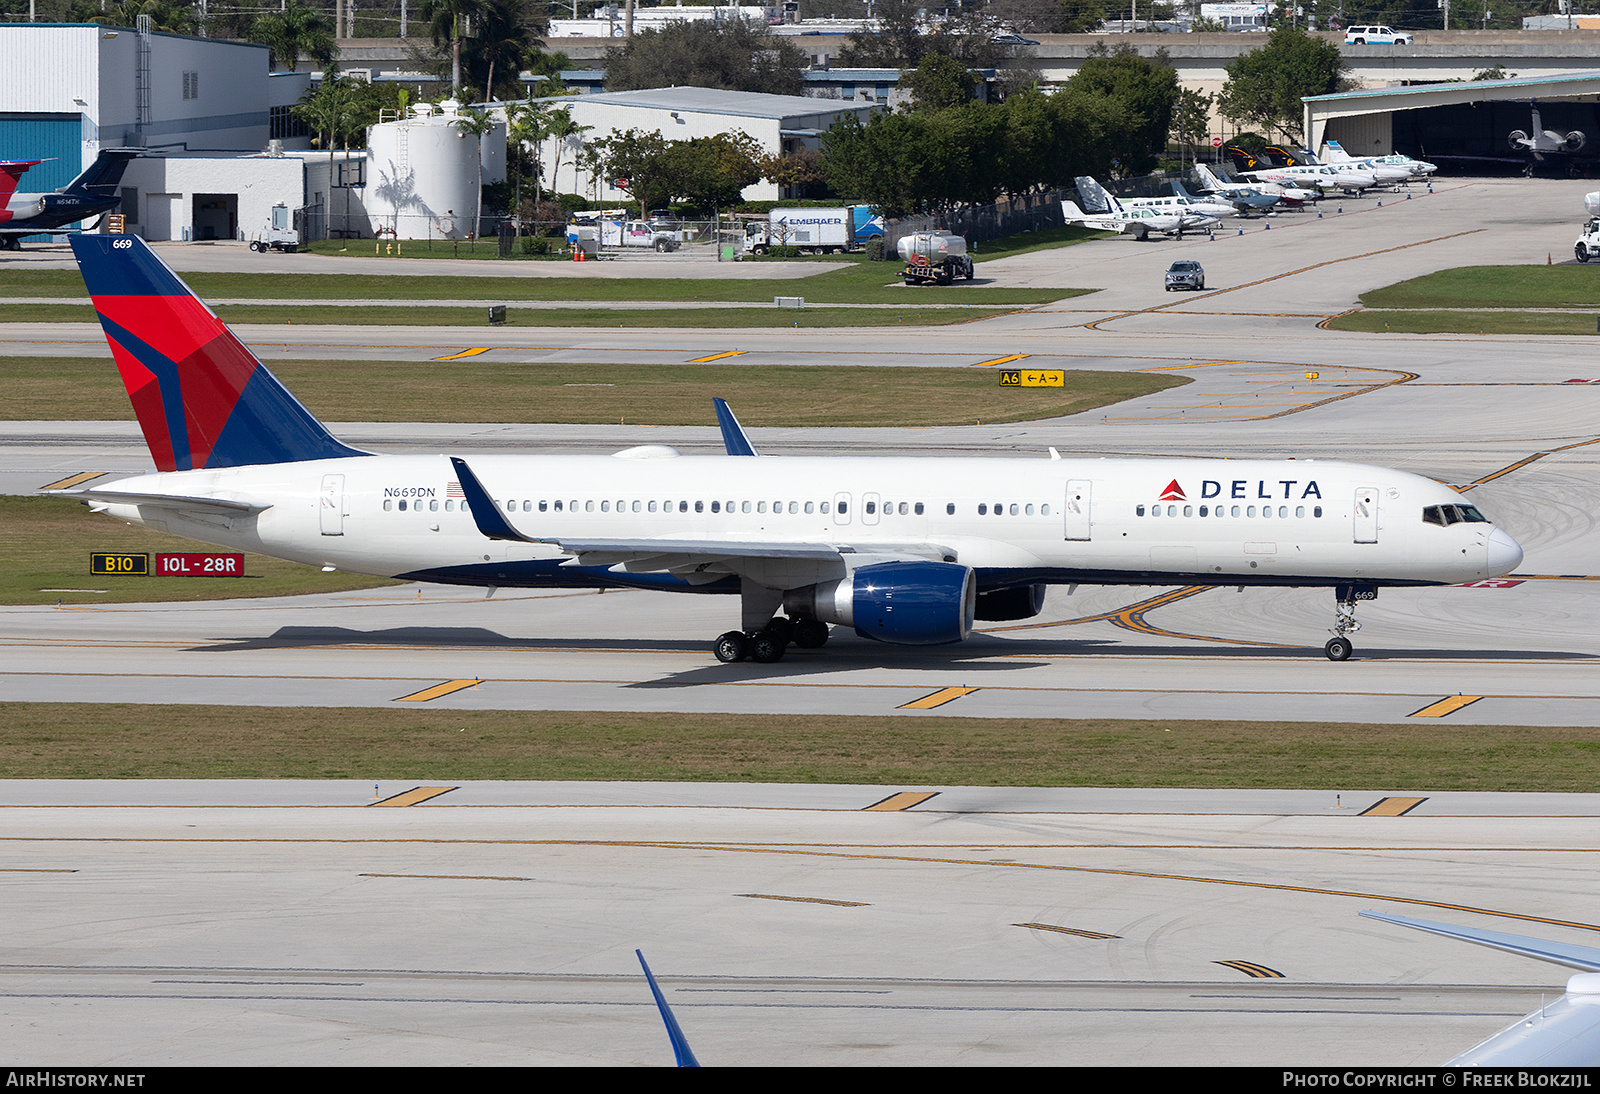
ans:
x=1065 y=930
x=806 y=900
x=936 y=699
x=719 y=356
x=72 y=480
x=1391 y=807
x=899 y=803
x=1448 y=705
x=449 y=687
x=1003 y=360
x=1250 y=968
x=463 y=354
x=415 y=796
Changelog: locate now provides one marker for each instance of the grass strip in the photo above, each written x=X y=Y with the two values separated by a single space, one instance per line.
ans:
x=483 y=389
x=128 y=741
x=399 y=316
x=1466 y=322
x=1493 y=287
x=858 y=283
x=47 y=543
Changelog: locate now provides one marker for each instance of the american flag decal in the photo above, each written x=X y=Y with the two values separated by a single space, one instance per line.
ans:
x=453 y=490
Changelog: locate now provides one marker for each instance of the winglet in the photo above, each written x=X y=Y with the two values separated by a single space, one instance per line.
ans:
x=1569 y=954
x=485 y=514
x=680 y=1043
x=733 y=435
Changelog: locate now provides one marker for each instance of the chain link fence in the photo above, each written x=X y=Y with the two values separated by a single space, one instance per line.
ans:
x=981 y=223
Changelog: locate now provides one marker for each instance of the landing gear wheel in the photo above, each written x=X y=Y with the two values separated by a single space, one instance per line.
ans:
x=781 y=627
x=810 y=634
x=1338 y=649
x=731 y=647
x=766 y=648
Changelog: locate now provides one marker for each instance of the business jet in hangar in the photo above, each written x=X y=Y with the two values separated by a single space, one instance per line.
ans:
x=903 y=550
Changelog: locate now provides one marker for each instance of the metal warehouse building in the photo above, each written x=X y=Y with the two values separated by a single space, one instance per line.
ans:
x=68 y=90
x=779 y=123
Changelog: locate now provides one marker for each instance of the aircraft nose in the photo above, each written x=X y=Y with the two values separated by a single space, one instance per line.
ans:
x=1504 y=554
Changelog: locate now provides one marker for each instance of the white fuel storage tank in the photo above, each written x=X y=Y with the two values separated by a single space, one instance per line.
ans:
x=424 y=174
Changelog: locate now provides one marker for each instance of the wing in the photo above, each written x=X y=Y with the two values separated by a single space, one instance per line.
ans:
x=1565 y=1033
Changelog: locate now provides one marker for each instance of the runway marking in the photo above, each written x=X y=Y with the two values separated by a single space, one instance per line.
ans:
x=719 y=356
x=37 y=870
x=1094 y=325
x=463 y=354
x=936 y=699
x=899 y=803
x=1525 y=461
x=1391 y=807
x=807 y=900
x=415 y=796
x=1448 y=705
x=451 y=877
x=449 y=687
x=1003 y=360
x=1174 y=368
x=72 y=480
x=1065 y=930
x=1250 y=968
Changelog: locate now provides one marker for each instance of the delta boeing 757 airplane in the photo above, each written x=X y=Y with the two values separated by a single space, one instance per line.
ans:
x=904 y=550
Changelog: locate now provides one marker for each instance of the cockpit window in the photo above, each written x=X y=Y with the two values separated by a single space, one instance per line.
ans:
x=1443 y=515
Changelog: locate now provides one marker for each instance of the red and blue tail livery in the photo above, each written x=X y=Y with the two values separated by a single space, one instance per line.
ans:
x=202 y=398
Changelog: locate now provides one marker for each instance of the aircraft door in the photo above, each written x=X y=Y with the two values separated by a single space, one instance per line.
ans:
x=1366 y=514
x=1076 y=510
x=841 y=509
x=331 y=506
x=870 y=504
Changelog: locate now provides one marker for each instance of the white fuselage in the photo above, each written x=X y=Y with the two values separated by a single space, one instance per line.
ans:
x=1294 y=522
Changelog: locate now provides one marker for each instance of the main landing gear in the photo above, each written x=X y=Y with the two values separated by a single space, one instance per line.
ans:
x=767 y=645
x=1339 y=648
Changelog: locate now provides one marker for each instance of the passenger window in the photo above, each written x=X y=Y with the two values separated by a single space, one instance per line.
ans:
x=824 y=507
x=1044 y=510
x=433 y=505
x=1138 y=510
x=950 y=509
x=844 y=507
x=1283 y=511
x=636 y=506
x=794 y=507
x=1317 y=512
x=716 y=507
x=810 y=507
x=1299 y=511
x=983 y=510
x=683 y=507
x=1172 y=510
x=699 y=507
x=917 y=509
x=605 y=507
x=744 y=507
x=761 y=507
x=1235 y=510
x=652 y=507
x=1250 y=511
x=1203 y=511
x=872 y=507
x=386 y=504
x=588 y=506
x=1013 y=508
x=511 y=506
x=1188 y=510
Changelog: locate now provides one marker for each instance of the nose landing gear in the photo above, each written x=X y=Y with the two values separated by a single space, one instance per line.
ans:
x=1339 y=648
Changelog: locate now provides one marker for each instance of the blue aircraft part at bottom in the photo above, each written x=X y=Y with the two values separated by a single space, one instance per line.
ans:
x=680 y=1043
x=733 y=435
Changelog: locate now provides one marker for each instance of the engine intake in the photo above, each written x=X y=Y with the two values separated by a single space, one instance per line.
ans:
x=905 y=603
x=1023 y=602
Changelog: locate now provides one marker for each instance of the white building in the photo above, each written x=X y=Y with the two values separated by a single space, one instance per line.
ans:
x=1237 y=17
x=779 y=123
x=611 y=21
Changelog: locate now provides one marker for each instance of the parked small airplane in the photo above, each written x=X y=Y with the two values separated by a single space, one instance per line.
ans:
x=91 y=193
x=1304 y=157
x=1542 y=142
x=1417 y=168
x=1111 y=214
x=1219 y=182
x=1242 y=201
x=1321 y=176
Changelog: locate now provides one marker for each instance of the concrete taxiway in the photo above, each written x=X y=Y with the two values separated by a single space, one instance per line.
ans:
x=333 y=923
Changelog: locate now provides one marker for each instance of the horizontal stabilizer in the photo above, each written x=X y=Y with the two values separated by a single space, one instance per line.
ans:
x=221 y=506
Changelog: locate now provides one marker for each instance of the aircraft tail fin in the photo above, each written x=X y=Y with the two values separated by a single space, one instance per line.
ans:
x=11 y=172
x=101 y=177
x=1179 y=191
x=1337 y=154
x=1096 y=197
x=1207 y=177
x=202 y=398
x=1242 y=160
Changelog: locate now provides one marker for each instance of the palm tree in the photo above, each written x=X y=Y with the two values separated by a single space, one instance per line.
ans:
x=525 y=127
x=294 y=31
x=476 y=124
x=502 y=32
x=332 y=109
x=444 y=25
x=562 y=129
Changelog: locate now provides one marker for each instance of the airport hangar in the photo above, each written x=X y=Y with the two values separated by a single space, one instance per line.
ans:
x=1466 y=122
